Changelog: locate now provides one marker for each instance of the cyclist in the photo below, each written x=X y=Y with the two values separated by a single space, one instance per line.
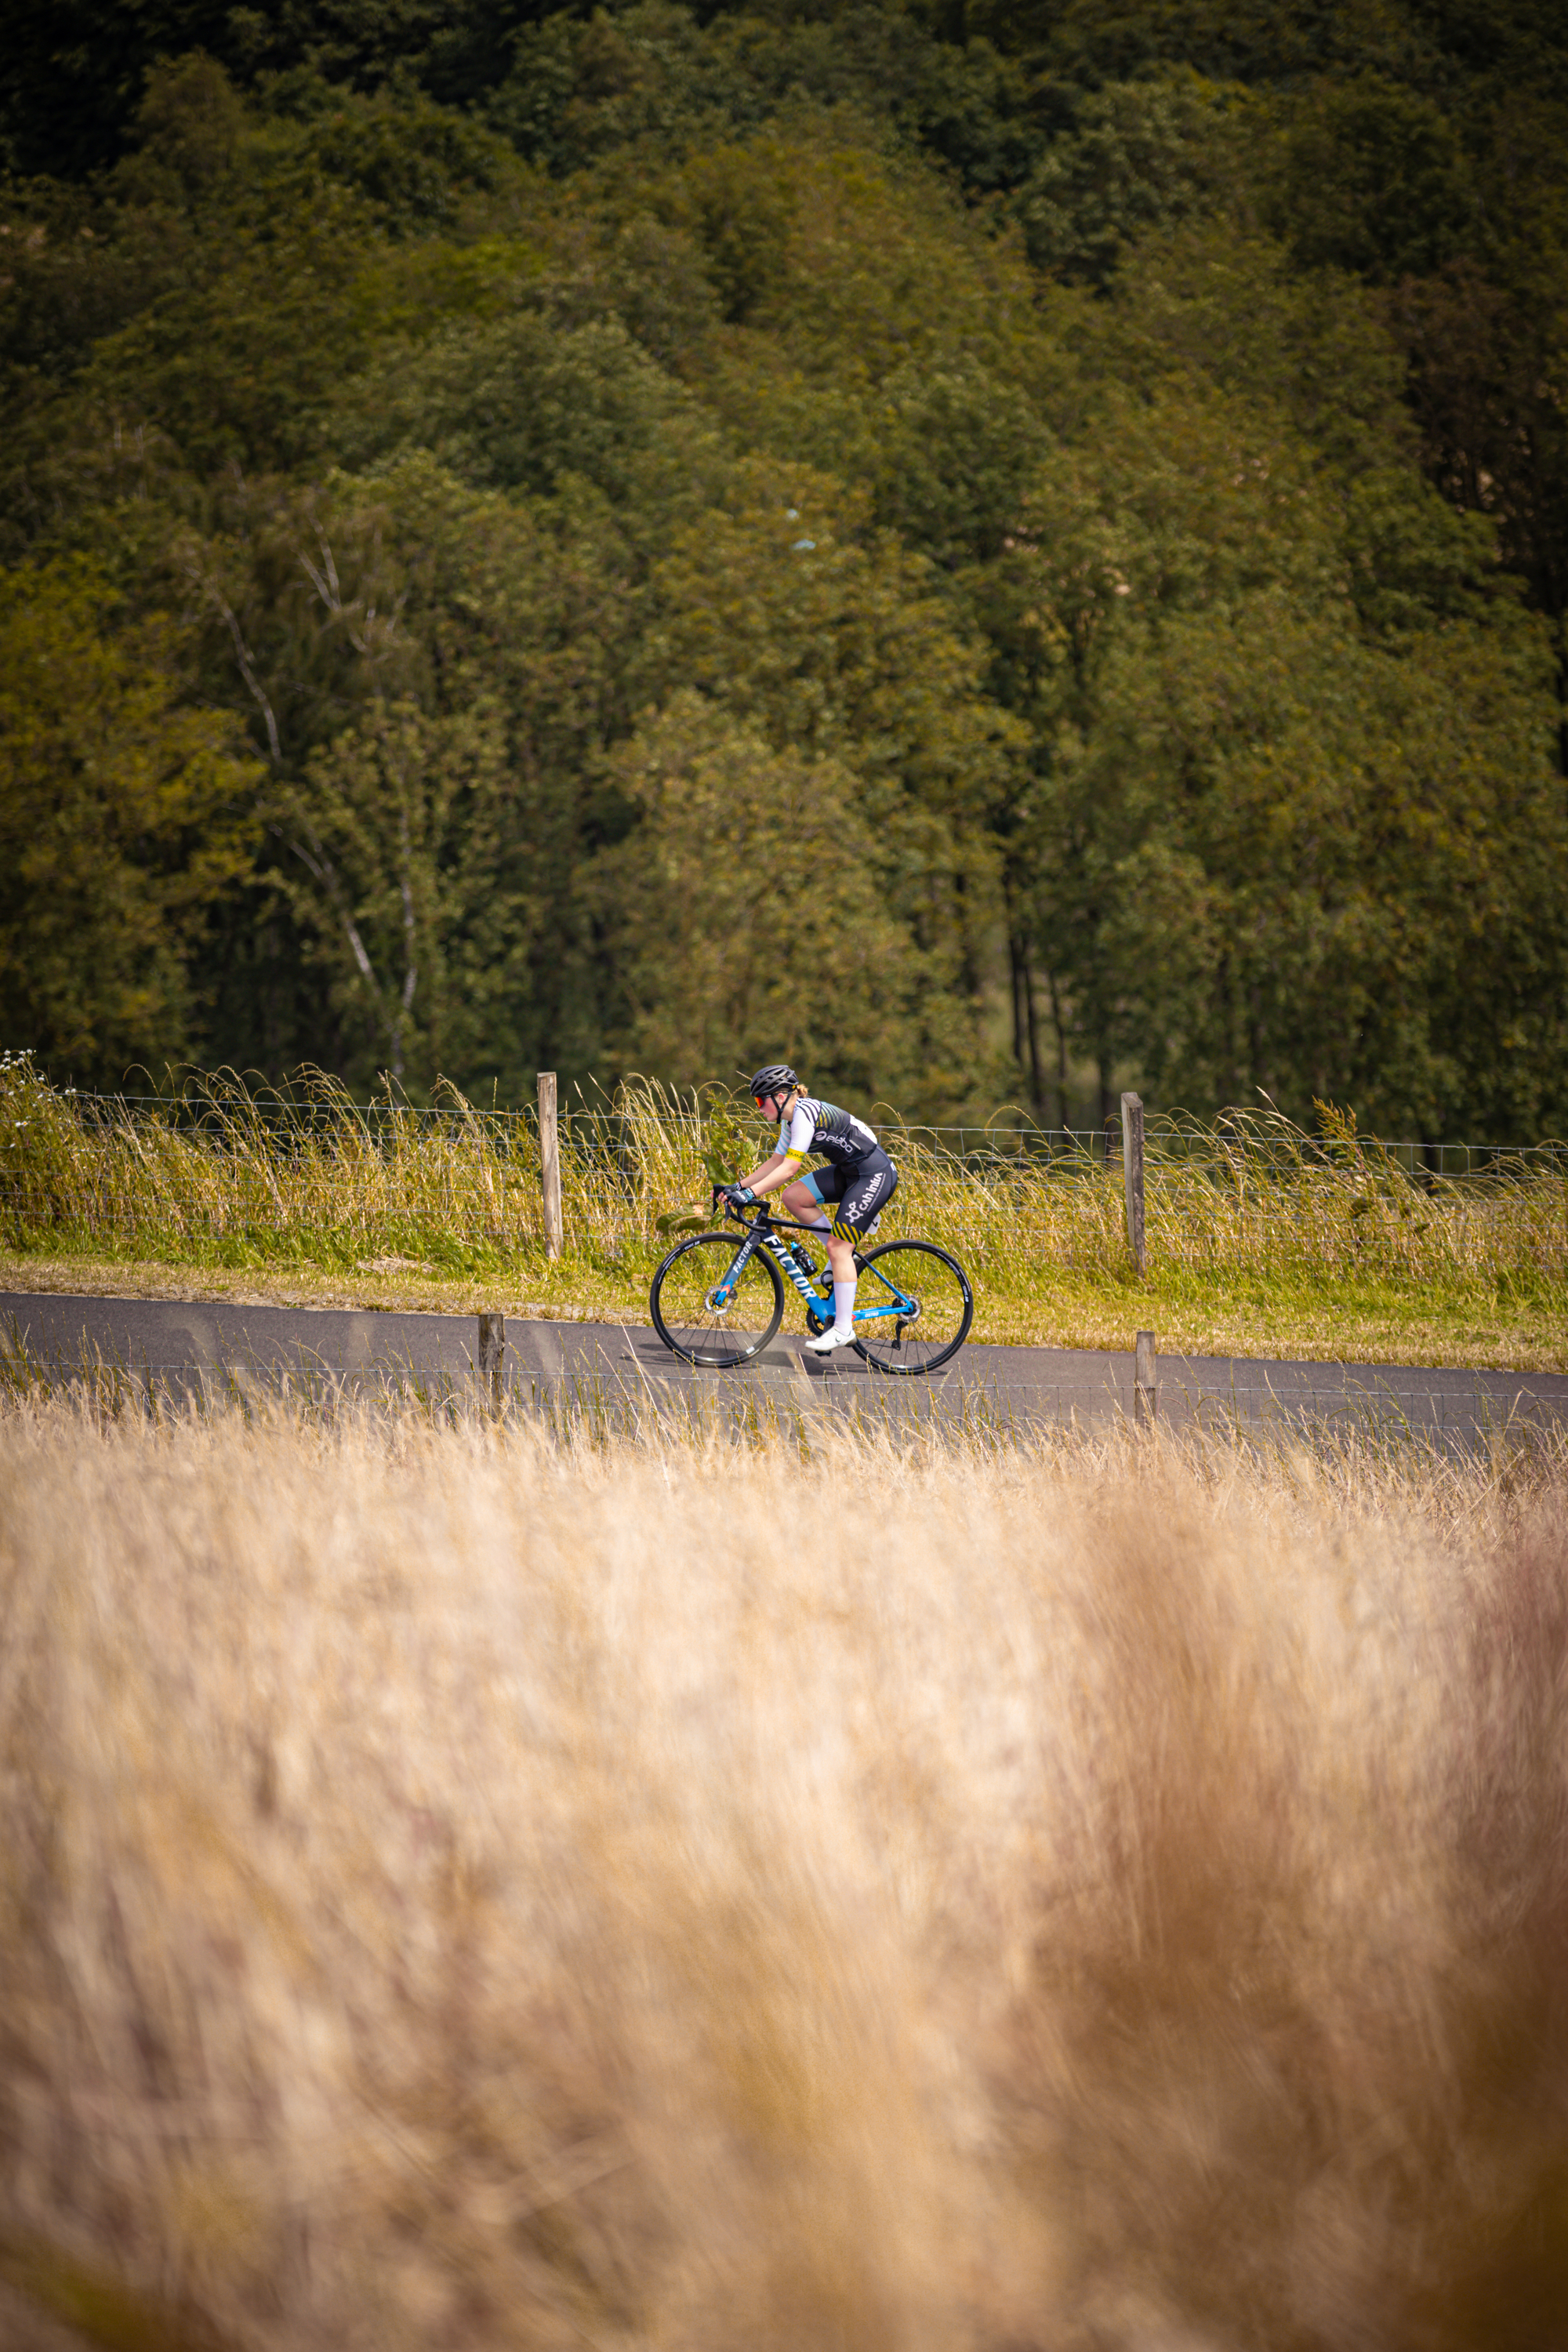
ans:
x=859 y=1179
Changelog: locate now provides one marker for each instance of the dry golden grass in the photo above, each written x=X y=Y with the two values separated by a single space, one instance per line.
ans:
x=471 y=1888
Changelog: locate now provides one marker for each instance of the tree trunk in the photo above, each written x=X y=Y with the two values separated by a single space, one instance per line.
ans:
x=1026 y=1025
x=1037 y=1085
x=1060 y=1028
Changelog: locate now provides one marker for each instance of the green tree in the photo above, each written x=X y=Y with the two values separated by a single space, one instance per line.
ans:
x=747 y=914
x=1140 y=156
x=409 y=591
x=1239 y=484
x=126 y=813
x=520 y=405
x=1316 y=863
x=799 y=619
x=75 y=70
x=1375 y=180
x=396 y=834
x=1488 y=377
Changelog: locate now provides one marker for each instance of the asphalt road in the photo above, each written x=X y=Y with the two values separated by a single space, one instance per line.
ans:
x=187 y=1348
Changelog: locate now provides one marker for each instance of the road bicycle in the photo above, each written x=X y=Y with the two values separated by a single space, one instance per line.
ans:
x=719 y=1299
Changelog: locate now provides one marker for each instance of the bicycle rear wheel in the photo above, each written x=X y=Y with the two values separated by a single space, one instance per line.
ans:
x=691 y=1315
x=913 y=1307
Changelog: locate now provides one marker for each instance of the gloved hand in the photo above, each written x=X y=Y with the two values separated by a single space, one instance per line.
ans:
x=734 y=1196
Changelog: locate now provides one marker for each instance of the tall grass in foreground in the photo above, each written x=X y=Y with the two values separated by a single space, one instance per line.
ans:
x=462 y=1889
x=235 y=1177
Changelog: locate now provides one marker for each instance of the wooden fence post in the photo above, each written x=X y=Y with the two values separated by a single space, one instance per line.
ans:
x=1132 y=1177
x=1145 y=1381
x=492 y=1356
x=550 y=1163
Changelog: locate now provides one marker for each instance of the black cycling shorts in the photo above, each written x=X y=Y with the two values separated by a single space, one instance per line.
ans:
x=861 y=1192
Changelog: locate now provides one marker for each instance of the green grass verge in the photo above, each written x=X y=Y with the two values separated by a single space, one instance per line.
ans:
x=1290 y=1315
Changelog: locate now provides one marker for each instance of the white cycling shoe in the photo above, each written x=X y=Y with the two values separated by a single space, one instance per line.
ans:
x=828 y=1340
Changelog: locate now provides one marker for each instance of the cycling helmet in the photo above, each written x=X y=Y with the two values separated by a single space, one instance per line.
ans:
x=772 y=1078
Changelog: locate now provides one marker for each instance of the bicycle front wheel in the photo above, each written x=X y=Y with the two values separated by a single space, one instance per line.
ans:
x=913 y=1307
x=701 y=1316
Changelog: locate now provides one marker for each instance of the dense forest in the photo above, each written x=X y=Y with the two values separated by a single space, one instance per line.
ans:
x=999 y=551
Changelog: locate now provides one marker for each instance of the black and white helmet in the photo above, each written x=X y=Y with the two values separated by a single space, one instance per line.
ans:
x=772 y=1078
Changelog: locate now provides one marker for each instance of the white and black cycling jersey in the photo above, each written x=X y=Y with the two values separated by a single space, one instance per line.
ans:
x=822 y=1127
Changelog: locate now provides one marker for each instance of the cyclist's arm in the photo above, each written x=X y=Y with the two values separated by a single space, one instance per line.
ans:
x=776 y=1170
x=781 y=1168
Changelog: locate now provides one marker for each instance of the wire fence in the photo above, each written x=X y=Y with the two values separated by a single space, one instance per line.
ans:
x=608 y=1133
x=236 y=1176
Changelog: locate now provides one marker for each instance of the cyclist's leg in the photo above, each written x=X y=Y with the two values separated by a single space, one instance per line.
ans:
x=813 y=1199
x=804 y=1199
x=861 y=1200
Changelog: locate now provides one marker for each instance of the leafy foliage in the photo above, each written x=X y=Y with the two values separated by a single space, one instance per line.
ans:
x=996 y=550
x=124 y=813
x=749 y=902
